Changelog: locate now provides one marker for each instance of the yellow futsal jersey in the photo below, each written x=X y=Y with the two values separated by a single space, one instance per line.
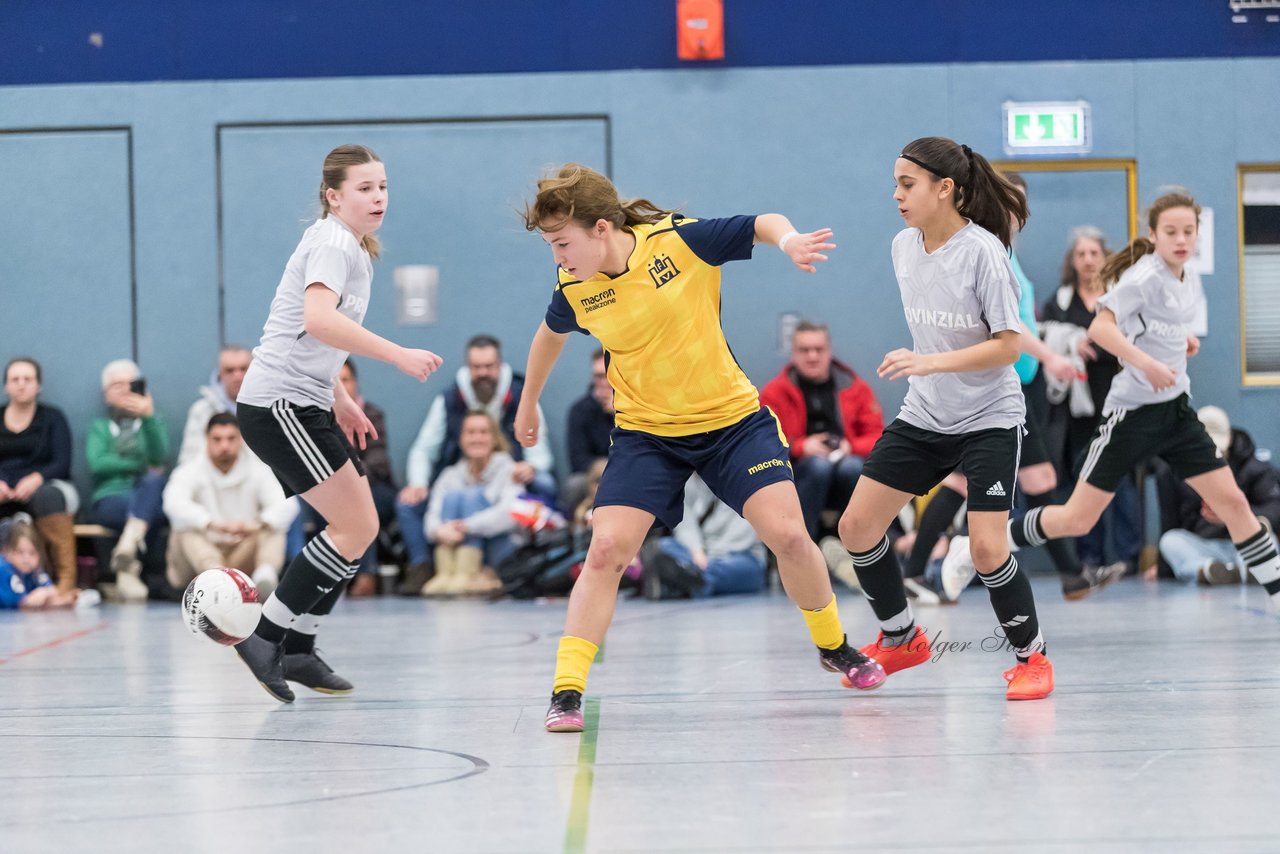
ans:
x=669 y=364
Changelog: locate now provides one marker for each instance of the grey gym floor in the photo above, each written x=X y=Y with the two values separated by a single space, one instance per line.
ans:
x=710 y=728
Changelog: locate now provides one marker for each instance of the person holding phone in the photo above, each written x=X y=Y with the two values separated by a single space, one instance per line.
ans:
x=127 y=450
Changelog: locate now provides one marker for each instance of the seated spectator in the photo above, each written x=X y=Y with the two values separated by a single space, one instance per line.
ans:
x=587 y=436
x=581 y=518
x=377 y=467
x=35 y=467
x=486 y=383
x=126 y=452
x=218 y=396
x=713 y=552
x=469 y=517
x=831 y=419
x=1199 y=549
x=226 y=508
x=23 y=581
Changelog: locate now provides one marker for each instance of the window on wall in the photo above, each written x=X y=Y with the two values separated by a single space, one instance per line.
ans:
x=1260 y=273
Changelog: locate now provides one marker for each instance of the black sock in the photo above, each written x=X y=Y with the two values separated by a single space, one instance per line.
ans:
x=296 y=642
x=881 y=579
x=1064 y=560
x=935 y=519
x=1261 y=560
x=302 y=635
x=1015 y=607
x=311 y=576
x=1026 y=531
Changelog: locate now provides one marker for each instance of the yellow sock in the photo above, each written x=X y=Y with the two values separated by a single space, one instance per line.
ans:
x=573 y=660
x=824 y=625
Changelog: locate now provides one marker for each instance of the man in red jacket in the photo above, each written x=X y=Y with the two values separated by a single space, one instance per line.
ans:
x=831 y=420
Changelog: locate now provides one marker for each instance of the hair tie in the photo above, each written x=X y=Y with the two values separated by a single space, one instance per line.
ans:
x=917 y=161
x=968 y=152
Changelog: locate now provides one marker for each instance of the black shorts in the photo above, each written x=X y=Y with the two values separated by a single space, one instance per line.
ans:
x=649 y=472
x=1126 y=437
x=913 y=460
x=303 y=444
x=1034 y=450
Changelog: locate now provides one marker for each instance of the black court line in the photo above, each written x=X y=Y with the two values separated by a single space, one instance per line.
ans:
x=479 y=766
x=1205 y=843
x=526 y=639
x=240 y=772
x=647 y=699
x=893 y=757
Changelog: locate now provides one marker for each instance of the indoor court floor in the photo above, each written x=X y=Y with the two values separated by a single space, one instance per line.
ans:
x=711 y=728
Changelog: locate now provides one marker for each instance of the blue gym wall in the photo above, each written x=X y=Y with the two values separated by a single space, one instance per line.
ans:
x=129 y=203
x=83 y=41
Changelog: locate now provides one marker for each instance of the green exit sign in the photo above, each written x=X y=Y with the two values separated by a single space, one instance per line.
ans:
x=1047 y=127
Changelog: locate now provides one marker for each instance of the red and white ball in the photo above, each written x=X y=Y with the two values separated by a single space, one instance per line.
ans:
x=222 y=604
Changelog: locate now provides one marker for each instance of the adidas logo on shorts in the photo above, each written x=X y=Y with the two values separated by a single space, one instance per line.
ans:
x=996 y=489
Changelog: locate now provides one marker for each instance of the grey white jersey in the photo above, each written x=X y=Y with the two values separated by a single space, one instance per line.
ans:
x=288 y=363
x=958 y=296
x=1155 y=311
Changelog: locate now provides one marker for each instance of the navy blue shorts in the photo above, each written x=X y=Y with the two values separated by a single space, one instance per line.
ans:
x=649 y=472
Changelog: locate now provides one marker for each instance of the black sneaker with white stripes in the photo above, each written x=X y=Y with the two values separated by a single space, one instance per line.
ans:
x=310 y=670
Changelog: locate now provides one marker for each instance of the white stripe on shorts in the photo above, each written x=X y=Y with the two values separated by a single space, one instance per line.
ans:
x=303 y=445
x=1100 y=442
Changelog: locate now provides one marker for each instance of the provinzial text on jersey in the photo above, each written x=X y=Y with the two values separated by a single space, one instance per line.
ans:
x=942 y=319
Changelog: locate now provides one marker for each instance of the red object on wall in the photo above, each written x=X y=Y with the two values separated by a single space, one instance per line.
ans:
x=700 y=29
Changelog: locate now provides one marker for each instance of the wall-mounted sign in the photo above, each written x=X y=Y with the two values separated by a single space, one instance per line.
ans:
x=416 y=287
x=1047 y=127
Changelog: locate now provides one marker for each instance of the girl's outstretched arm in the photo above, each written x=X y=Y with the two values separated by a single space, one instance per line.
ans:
x=802 y=249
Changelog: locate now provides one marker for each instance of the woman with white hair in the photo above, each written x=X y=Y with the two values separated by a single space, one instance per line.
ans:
x=126 y=451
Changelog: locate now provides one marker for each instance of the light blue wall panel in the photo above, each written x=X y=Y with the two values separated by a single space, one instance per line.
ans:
x=454 y=190
x=65 y=266
x=815 y=143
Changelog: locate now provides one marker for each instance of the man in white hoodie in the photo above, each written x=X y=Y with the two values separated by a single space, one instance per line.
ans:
x=226 y=509
x=485 y=383
x=218 y=396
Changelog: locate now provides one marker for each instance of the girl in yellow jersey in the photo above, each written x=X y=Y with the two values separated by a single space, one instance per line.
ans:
x=646 y=283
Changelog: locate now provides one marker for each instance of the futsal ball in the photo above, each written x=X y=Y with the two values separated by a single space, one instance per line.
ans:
x=222 y=604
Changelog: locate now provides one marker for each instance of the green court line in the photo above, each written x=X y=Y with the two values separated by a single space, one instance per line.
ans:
x=599 y=653
x=575 y=835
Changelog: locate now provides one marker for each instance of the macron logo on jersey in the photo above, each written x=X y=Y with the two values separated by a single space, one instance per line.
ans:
x=941 y=319
x=600 y=300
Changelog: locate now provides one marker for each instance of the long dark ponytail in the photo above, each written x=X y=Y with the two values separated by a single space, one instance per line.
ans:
x=982 y=194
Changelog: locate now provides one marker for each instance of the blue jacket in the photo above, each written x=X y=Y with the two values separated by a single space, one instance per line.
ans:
x=14 y=585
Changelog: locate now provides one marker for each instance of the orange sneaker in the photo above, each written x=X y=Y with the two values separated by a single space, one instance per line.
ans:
x=895 y=658
x=1032 y=680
